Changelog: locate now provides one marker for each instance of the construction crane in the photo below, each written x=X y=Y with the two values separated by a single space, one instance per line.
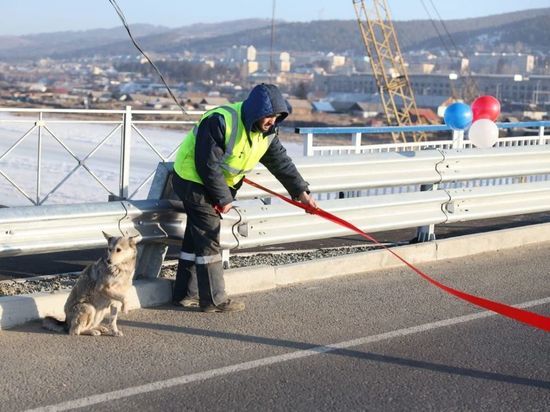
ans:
x=388 y=66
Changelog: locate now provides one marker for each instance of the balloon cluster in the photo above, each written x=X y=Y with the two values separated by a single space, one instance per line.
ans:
x=479 y=118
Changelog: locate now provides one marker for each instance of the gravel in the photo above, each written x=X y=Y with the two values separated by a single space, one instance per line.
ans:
x=55 y=283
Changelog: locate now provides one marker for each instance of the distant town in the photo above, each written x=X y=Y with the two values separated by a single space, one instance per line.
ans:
x=323 y=88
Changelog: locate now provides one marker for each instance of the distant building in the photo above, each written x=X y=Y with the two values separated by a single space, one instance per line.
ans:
x=284 y=62
x=532 y=89
x=502 y=63
x=276 y=61
x=300 y=107
x=323 y=107
x=239 y=54
x=366 y=109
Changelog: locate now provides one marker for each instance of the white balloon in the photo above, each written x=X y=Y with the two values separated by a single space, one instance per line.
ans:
x=483 y=133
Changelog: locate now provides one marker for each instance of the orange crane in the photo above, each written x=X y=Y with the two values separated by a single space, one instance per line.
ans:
x=387 y=64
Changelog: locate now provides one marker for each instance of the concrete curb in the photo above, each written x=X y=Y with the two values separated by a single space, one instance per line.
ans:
x=16 y=310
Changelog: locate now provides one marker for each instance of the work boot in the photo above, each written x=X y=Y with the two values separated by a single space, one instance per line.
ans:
x=187 y=302
x=227 y=306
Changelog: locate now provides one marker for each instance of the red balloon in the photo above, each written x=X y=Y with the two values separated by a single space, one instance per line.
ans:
x=486 y=107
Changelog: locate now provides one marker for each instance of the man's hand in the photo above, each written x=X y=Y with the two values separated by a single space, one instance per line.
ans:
x=308 y=200
x=223 y=209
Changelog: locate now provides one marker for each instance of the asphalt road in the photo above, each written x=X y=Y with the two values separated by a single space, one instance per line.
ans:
x=379 y=341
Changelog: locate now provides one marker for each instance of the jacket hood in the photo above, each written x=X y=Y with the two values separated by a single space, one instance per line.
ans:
x=264 y=100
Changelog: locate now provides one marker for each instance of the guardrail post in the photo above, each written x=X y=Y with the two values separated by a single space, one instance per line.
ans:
x=357 y=142
x=125 y=154
x=458 y=139
x=541 y=135
x=426 y=233
x=152 y=254
x=308 y=145
x=225 y=258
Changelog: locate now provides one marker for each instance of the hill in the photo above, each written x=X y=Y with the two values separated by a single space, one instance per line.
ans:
x=113 y=41
x=524 y=31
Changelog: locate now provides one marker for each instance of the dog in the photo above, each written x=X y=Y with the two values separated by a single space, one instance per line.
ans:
x=100 y=291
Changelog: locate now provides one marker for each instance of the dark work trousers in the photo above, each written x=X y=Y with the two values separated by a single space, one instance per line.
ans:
x=200 y=256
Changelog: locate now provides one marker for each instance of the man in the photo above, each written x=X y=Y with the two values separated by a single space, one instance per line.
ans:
x=228 y=142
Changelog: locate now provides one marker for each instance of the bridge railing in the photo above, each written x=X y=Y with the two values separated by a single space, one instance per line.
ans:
x=49 y=228
x=120 y=131
x=313 y=146
x=532 y=134
x=123 y=130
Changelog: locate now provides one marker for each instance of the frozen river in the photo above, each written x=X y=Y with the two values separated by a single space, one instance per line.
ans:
x=56 y=161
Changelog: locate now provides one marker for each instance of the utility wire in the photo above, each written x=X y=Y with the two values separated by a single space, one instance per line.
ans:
x=272 y=42
x=470 y=80
x=121 y=15
x=446 y=31
x=447 y=49
x=125 y=24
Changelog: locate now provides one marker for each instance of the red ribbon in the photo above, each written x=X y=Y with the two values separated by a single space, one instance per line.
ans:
x=530 y=318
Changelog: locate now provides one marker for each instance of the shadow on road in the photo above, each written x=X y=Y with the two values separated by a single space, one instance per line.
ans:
x=366 y=356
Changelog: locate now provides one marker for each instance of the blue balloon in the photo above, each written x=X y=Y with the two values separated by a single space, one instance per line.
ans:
x=458 y=116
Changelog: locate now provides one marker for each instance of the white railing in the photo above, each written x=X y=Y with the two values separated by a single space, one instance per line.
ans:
x=53 y=159
x=356 y=135
x=313 y=146
x=48 y=135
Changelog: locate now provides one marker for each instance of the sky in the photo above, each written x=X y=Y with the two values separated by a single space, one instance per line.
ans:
x=40 y=16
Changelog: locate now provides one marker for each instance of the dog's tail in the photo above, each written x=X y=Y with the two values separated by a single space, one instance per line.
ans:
x=54 y=324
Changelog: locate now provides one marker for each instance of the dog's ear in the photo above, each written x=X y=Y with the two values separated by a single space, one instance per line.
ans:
x=134 y=239
x=106 y=236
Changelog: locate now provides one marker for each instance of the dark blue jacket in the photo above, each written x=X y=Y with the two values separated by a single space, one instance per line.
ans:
x=264 y=100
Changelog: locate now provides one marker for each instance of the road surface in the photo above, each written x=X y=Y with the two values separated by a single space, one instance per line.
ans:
x=378 y=341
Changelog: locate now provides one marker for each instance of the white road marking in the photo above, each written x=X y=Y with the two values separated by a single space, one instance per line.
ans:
x=201 y=376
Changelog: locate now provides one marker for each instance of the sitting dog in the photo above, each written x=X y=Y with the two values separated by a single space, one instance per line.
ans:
x=101 y=290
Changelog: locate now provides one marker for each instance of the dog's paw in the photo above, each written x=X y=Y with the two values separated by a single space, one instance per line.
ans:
x=104 y=330
x=117 y=333
x=95 y=332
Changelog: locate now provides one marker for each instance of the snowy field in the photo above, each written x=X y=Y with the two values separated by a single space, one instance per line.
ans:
x=20 y=164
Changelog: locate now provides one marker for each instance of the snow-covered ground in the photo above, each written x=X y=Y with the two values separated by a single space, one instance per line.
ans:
x=20 y=165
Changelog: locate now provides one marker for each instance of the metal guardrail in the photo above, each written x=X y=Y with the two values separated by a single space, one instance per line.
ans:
x=30 y=230
x=353 y=172
x=52 y=228
x=282 y=223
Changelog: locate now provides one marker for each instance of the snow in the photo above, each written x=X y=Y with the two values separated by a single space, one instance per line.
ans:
x=56 y=161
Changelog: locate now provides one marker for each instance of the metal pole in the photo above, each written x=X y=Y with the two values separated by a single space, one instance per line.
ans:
x=125 y=153
x=357 y=142
x=458 y=139
x=426 y=233
x=308 y=145
x=40 y=123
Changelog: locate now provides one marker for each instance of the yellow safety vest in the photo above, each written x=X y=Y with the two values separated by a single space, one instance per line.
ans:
x=242 y=152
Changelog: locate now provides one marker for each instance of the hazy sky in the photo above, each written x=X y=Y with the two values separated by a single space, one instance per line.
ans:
x=36 y=16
